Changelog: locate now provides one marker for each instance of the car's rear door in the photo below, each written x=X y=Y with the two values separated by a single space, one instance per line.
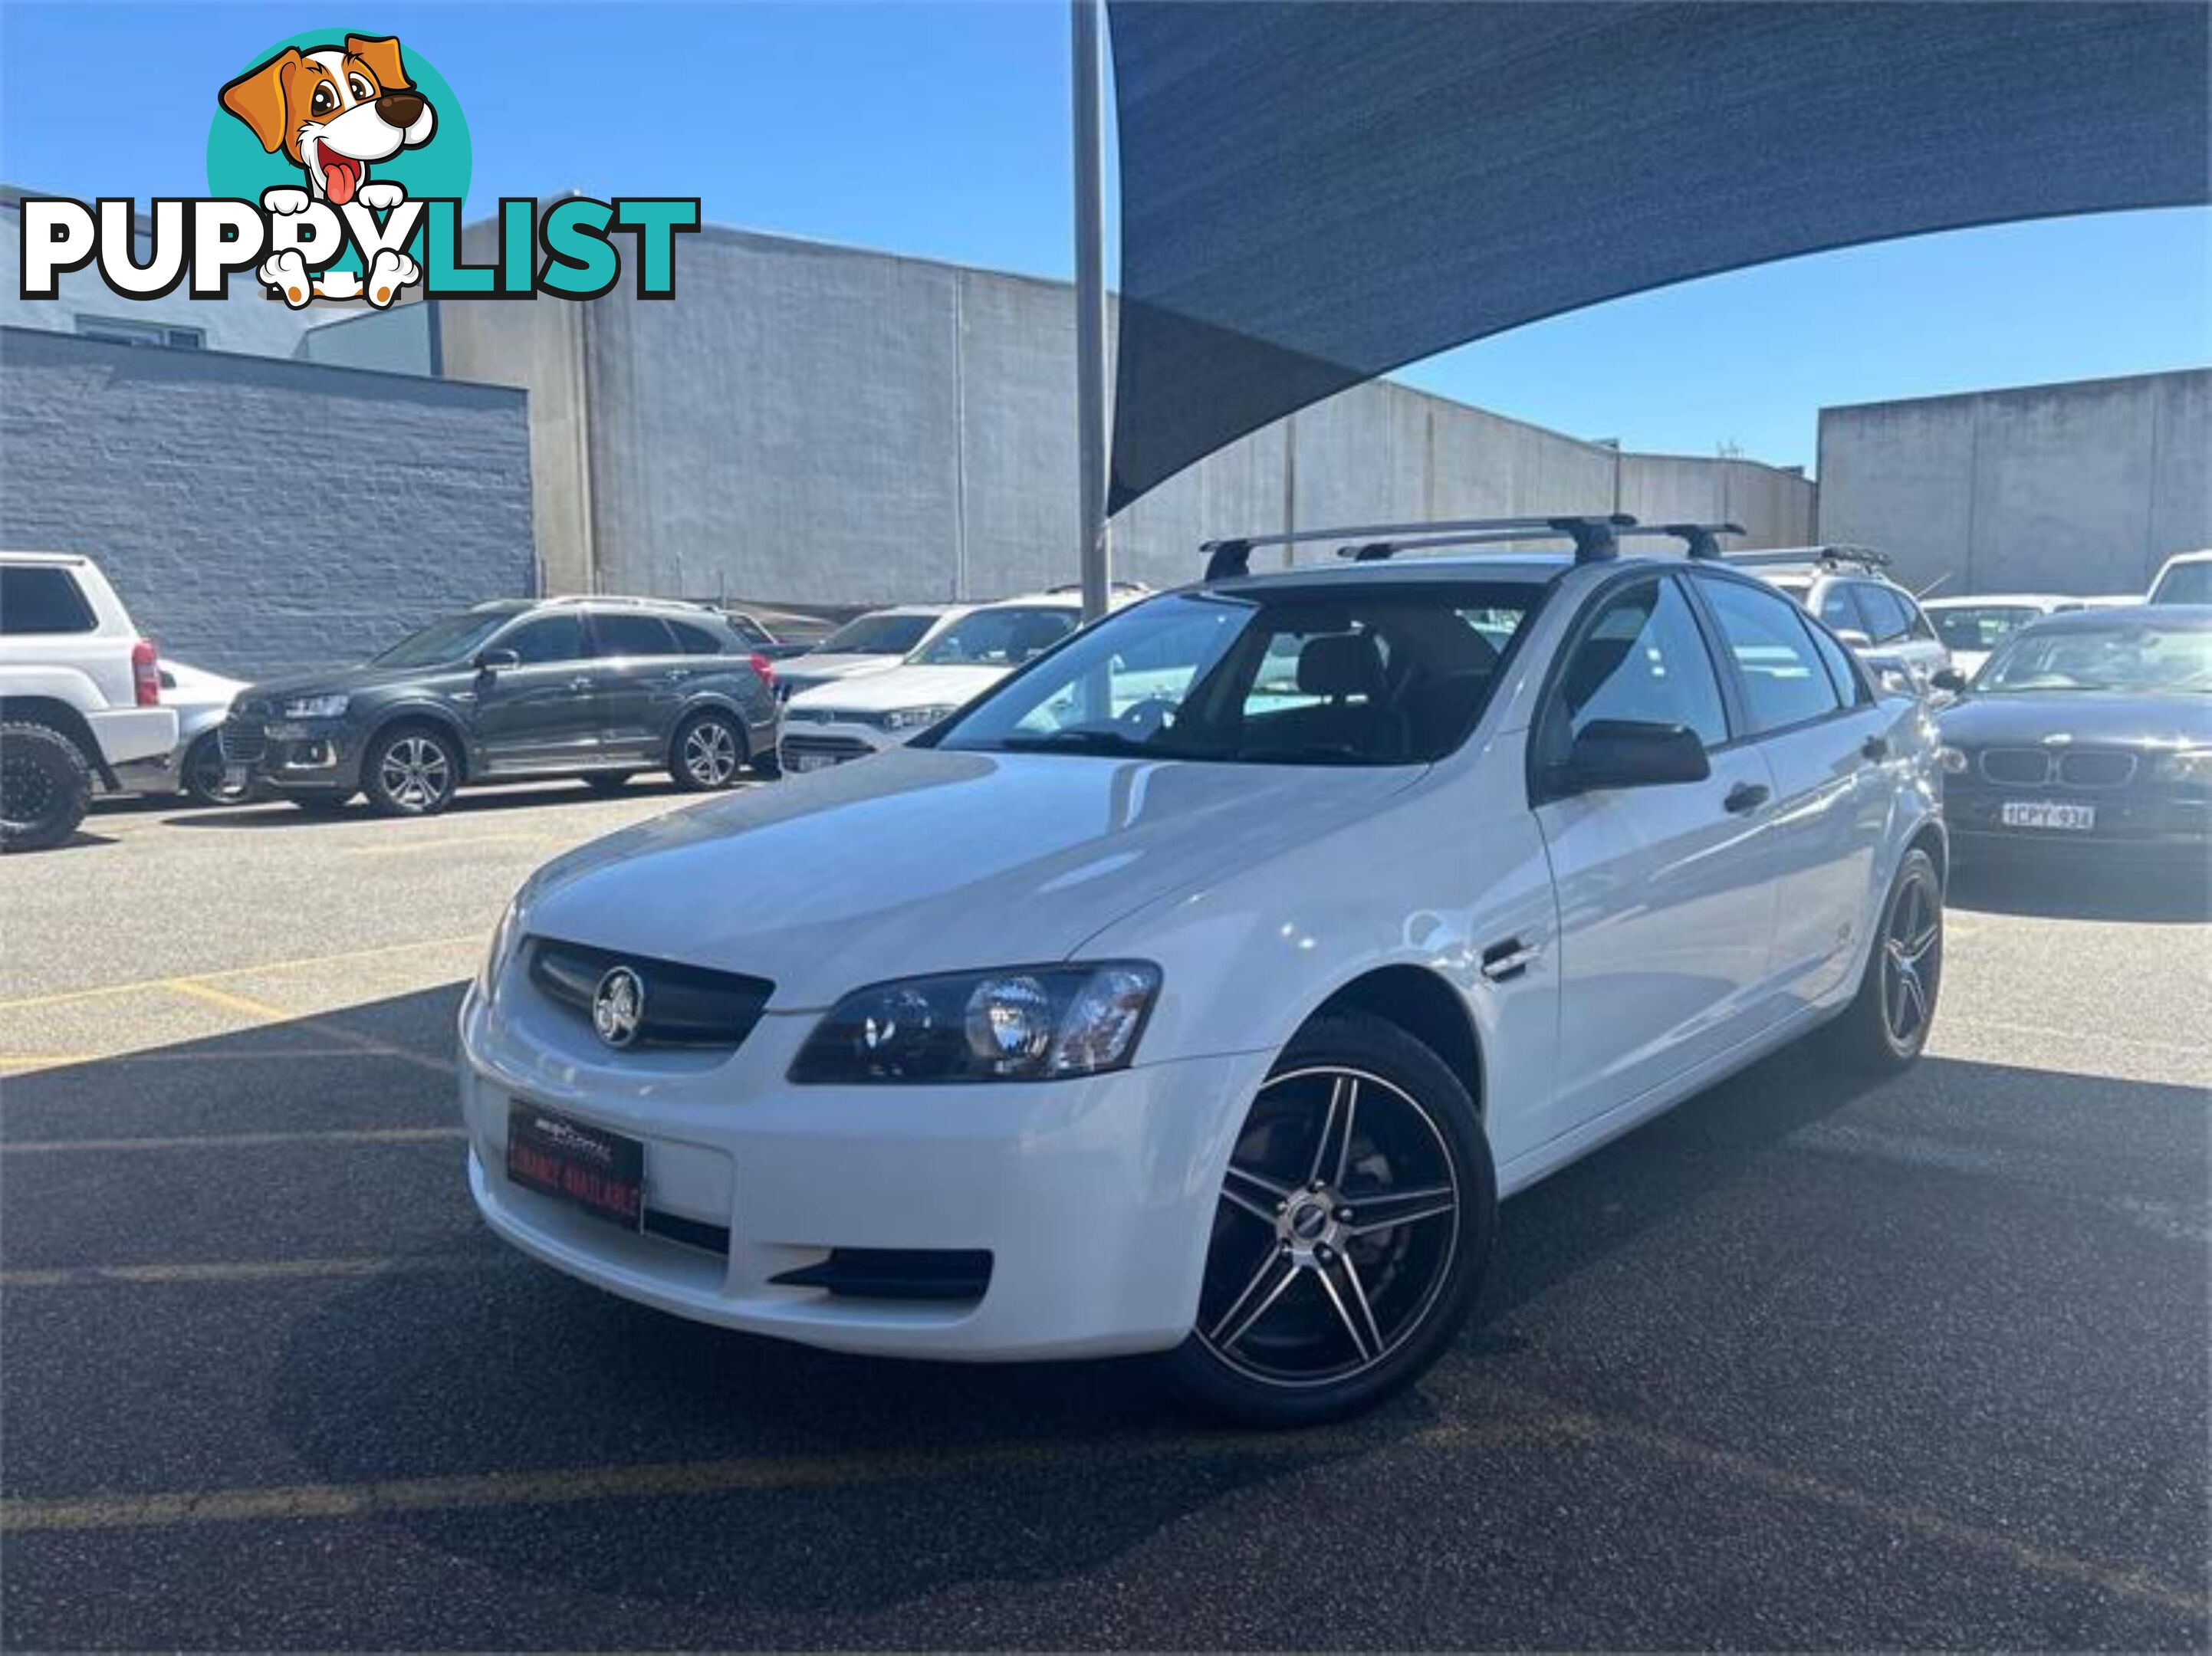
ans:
x=1806 y=705
x=1666 y=905
x=540 y=713
x=640 y=675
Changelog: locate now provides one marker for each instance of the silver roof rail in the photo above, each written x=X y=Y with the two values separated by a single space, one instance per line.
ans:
x=1832 y=556
x=1593 y=537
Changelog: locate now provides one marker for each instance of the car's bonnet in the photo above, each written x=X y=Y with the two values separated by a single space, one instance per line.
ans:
x=2086 y=716
x=921 y=860
x=904 y=687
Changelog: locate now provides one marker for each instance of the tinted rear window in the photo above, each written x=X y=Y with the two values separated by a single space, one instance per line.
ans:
x=42 y=598
x=632 y=635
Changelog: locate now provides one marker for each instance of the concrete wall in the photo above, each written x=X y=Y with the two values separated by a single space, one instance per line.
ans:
x=2079 y=488
x=257 y=514
x=815 y=424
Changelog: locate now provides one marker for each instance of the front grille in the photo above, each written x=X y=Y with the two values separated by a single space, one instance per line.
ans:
x=684 y=1005
x=243 y=741
x=2097 y=767
x=2016 y=768
x=836 y=747
x=897 y=1273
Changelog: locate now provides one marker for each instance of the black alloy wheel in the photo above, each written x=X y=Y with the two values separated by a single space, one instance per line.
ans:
x=1350 y=1234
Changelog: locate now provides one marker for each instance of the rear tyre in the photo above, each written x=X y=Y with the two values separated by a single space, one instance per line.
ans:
x=1887 y=1022
x=202 y=774
x=44 y=787
x=608 y=782
x=411 y=771
x=1351 y=1232
x=707 y=752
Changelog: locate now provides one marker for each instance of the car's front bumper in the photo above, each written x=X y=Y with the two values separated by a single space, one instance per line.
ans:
x=2126 y=819
x=294 y=755
x=1094 y=1198
x=810 y=745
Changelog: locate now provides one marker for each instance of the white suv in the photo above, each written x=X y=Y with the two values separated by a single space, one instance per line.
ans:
x=80 y=694
x=1201 y=988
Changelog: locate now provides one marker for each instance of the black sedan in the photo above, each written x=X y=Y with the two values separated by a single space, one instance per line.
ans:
x=2091 y=729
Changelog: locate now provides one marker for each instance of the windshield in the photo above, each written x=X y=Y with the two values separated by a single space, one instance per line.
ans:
x=1980 y=626
x=2136 y=657
x=998 y=638
x=455 y=638
x=876 y=635
x=1391 y=674
x=2186 y=582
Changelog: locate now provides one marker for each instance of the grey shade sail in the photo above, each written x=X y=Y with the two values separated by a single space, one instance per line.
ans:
x=1313 y=194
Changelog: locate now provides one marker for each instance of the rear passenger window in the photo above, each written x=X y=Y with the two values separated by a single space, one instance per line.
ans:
x=556 y=637
x=1784 y=679
x=42 y=598
x=1843 y=668
x=633 y=636
x=694 y=640
x=1642 y=658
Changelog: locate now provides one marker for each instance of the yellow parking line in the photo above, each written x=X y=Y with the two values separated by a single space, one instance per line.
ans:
x=237 y=1141
x=27 y=1003
x=252 y=1271
x=567 y=1485
x=45 y=1060
x=262 y=1011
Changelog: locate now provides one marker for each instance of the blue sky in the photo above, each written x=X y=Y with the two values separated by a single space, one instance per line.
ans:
x=942 y=129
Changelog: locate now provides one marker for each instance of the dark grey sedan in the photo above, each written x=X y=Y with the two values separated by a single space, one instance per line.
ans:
x=2090 y=729
x=599 y=689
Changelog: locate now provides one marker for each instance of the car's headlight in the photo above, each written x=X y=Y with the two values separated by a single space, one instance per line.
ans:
x=316 y=706
x=2192 y=765
x=1032 y=1023
x=909 y=719
x=504 y=937
x=1953 y=760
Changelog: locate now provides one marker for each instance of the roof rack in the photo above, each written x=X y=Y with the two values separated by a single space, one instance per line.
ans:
x=1834 y=557
x=1595 y=538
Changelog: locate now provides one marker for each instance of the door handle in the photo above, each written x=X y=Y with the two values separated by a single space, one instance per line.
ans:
x=1875 y=749
x=1502 y=961
x=1746 y=796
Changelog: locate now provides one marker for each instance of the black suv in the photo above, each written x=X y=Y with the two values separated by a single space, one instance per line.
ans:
x=600 y=688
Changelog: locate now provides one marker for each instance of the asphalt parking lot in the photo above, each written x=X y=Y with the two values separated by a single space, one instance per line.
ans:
x=1805 y=1363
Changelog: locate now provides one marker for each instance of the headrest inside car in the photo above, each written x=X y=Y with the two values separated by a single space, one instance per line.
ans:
x=1341 y=665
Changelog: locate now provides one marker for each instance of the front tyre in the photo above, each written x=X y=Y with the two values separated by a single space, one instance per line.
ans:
x=45 y=788
x=1888 y=1023
x=203 y=774
x=411 y=771
x=1351 y=1233
x=707 y=752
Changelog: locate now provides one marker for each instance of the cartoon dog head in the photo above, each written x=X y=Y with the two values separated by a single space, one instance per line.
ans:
x=332 y=112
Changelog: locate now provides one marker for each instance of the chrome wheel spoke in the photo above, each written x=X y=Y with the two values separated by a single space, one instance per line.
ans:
x=1388 y=1210
x=1275 y=1275
x=1339 y=1279
x=1334 y=1152
x=1255 y=1193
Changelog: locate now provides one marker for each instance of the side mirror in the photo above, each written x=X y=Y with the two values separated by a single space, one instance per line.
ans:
x=491 y=661
x=1854 y=639
x=1948 y=679
x=1625 y=753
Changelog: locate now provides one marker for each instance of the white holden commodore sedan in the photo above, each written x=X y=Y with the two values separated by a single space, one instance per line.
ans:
x=1201 y=988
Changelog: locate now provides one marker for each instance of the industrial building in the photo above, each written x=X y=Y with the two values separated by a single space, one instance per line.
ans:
x=803 y=425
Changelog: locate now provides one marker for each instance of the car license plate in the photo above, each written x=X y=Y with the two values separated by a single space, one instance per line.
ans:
x=2047 y=813
x=813 y=761
x=600 y=1172
x=234 y=778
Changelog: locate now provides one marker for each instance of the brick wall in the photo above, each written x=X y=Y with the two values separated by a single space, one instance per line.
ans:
x=257 y=514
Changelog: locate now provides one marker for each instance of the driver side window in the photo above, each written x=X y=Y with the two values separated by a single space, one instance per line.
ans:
x=1643 y=658
x=556 y=637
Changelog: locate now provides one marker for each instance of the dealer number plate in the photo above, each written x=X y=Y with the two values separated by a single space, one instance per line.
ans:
x=602 y=1173
x=2048 y=814
x=813 y=761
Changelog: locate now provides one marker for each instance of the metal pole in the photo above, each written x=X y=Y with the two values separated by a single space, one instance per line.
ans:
x=1090 y=310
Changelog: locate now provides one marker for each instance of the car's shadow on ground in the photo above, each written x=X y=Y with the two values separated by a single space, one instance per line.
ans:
x=2172 y=891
